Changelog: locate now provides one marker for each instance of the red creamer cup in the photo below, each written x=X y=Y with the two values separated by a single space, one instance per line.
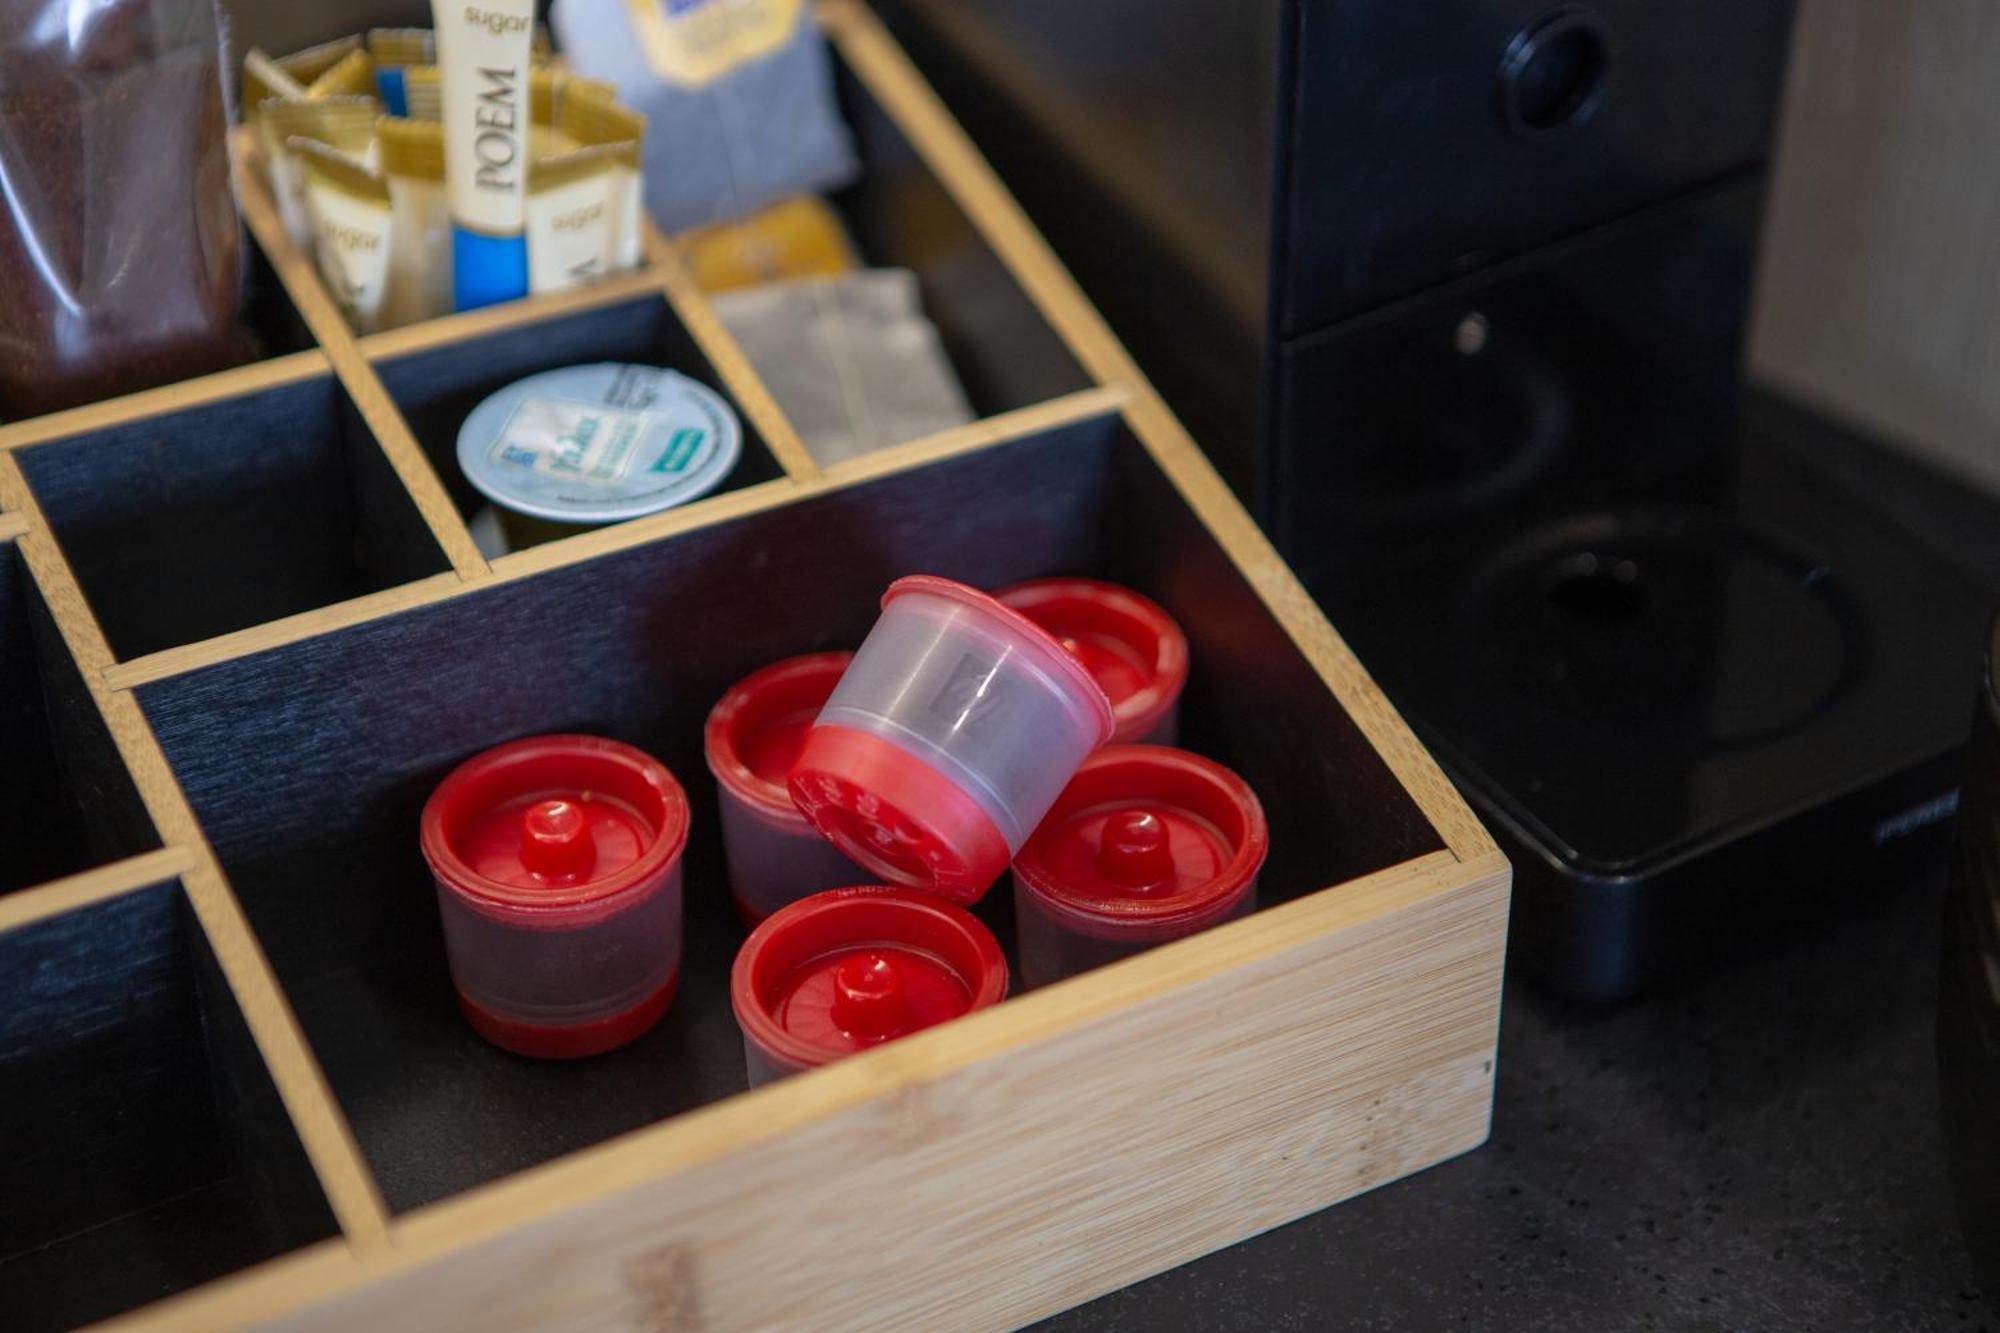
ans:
x=1146 y=844
x=850 y=969
x=1132 y=648
x=752 y=739
x=558 y=868
x=953 y=731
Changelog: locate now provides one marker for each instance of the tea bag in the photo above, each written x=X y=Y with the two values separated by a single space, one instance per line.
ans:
x=737 y=95
x=851 y=360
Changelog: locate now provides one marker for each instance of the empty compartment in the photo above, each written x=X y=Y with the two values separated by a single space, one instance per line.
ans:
x=437 y=388
x=637 y=645
x=66 y=801
x=229 y=514
x=147 y=1150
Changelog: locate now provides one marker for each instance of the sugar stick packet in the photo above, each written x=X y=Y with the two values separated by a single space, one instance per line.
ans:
x=484 y=53
x=411 y=154
x=350 y=211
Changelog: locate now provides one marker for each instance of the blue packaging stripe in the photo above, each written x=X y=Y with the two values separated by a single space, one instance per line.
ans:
x=486 y=270
x=395 y=94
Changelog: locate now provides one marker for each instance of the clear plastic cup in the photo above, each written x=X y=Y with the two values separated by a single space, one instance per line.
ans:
x=850 y=969
x=952 y=733
x=1132 y=648
x=558 y=867
x=753 y=737
x=1146 y=844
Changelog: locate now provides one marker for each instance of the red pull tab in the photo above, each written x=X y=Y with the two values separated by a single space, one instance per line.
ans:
x=1134 y=850
x=556 y=841
x=869 y=996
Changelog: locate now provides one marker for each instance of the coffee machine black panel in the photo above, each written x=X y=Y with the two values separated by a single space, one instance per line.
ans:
x=1491 y=402
x=1429 y=140
x=1493 y=419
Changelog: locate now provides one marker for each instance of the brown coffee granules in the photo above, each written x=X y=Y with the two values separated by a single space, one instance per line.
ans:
x=121 y=255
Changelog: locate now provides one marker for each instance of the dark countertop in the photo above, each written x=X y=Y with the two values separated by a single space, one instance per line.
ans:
x=1753 y=1148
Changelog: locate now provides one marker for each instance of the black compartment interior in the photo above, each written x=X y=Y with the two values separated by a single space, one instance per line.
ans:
x=230 y=514
x=268 y=311
x=146 y=1149
x=66 y=801
x=437 y=389
x=309 y=764
x=900 y=215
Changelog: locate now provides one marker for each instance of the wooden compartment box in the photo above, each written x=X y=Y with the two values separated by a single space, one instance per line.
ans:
x=147 y=1148
x=243 y=633
x=66 y=801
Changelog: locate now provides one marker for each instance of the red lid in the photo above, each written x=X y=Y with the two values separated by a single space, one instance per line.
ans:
x=555 y=831
x=1146 y=839
x=756 y=730
x=1132 y=648
x=848 y=969
x=890 y=811
x=1033 y=639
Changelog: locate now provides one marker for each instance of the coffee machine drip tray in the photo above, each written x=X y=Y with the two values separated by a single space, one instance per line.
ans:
x=1685 y=645
x=1691 y=719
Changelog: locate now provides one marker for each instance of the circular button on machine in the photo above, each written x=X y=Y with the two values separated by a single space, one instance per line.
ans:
x=1146 y=844
x=1553 y=72
x=558 y=869
x=850 y=969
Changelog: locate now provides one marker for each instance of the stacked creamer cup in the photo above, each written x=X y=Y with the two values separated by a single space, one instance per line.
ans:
x=752 y=739
x=1128 y=643
x=949 y=737
x=928 y=761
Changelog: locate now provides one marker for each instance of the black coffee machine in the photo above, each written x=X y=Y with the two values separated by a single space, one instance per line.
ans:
x=1455 y=294
x=1969 y=992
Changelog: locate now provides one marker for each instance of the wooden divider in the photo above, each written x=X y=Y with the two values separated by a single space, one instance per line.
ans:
x=24 y=907
x=466 y=325
x=178 y=397
x=321 y=1126
x=719 y=345
x=337 y=342
x=722 y=508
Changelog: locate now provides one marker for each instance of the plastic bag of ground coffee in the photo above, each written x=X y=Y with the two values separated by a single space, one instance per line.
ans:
x=121 y=257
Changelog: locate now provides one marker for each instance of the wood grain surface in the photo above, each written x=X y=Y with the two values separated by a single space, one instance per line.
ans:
x=1879 y=299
